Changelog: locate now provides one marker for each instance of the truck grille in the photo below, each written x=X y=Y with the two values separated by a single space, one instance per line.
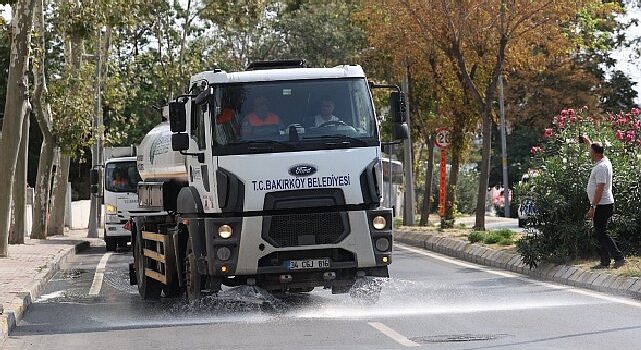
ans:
x=306 y=229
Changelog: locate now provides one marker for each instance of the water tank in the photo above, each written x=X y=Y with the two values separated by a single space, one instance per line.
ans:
x=156 y=160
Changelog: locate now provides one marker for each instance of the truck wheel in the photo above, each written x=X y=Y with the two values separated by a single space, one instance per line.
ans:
x=194 y=280
x=148 y=288
x=111 y=244
x=366 y=290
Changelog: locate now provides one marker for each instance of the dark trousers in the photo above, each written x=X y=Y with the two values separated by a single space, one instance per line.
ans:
x=607 y=247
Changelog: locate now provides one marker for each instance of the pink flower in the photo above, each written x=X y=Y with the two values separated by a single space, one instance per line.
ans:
x=630 y=136
x=571 y=112
x=536 y=149
x=573 y=119
x=623 y=121
x=619 y=135
x=547 y=133
x=635 y=111
x=637 y=124
x=561 y=124
x=564 y=112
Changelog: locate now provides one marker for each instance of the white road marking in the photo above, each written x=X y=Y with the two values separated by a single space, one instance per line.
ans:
x=401 y=339
x=575 y=290
x=99 y=275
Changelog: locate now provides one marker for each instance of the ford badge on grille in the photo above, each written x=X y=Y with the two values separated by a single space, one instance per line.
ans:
x=302 y=170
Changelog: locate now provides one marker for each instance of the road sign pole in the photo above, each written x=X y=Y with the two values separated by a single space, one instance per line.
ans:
x=443 y=182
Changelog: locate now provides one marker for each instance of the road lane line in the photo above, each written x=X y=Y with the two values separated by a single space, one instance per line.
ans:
x=99 y=275
x=401 y=339
x=575 y=290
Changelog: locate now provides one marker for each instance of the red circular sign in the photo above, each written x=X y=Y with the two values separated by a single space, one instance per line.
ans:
x=443 y=138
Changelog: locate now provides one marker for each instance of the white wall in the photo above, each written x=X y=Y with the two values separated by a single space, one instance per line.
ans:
x=80 y=214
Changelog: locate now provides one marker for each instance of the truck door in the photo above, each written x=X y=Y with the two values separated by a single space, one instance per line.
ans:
x=200 y=170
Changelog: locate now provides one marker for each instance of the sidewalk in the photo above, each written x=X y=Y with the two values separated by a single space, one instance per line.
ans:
x=29 y=266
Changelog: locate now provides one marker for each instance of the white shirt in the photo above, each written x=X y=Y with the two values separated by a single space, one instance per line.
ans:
x=601 y=174
x=319 y=119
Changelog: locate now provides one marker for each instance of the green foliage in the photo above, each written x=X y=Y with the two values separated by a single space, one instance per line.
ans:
x=476 y=236
x=467 y=189
x=501 y=237
x=559 y=231
x=619 y=93
x=71 y=98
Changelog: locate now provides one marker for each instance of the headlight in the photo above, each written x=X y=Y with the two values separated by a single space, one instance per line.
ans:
x=224 y=231
x=111 y=209
x=379 y=222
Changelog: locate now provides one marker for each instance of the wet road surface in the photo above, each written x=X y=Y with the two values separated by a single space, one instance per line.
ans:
x=430 y=301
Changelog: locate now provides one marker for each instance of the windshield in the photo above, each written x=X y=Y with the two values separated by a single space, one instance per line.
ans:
x=302 y=112
x=121 y=177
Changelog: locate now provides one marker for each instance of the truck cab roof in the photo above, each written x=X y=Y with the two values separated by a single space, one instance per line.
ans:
x=120 y=159
x=222 y=77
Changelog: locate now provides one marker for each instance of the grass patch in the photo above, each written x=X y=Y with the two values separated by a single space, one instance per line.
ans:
x=500 y=237
x=631 y=269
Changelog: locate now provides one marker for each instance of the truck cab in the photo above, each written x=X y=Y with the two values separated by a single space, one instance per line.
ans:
x=263 y=186
x=120 y=199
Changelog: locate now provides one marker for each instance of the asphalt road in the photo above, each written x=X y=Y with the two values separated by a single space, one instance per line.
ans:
x=430 y=301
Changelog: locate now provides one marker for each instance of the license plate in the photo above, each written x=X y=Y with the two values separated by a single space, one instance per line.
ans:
x=308 y=264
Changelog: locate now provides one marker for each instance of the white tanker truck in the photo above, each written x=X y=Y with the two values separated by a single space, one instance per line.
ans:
x=255 y=184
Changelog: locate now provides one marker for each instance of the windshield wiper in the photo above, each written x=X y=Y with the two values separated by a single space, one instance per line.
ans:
x=263 y=142
x=343 y=140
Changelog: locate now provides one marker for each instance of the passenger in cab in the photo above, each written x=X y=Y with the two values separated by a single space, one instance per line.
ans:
x=260 y=120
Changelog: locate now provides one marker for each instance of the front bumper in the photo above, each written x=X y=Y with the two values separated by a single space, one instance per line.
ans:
x=117 y=230
x=251 y=254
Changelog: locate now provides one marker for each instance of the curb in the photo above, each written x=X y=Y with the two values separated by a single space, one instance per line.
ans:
x=563 y=274
x=14 y=312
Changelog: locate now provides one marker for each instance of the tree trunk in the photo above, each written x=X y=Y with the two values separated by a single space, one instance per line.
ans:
x=16 y=107
x=426 y=208
x=457 y=146
x=16 y=236
x=56 y=225
x=42 y=111
x=484 y=176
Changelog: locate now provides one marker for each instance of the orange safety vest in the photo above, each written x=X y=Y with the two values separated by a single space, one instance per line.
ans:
x=254 y=120
x=226 y=116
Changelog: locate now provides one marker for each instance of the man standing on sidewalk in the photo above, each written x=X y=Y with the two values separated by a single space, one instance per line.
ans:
x=602 y=204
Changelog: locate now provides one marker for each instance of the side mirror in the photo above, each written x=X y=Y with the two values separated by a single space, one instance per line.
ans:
x=93 y=181
x=400 y=132
x=180 y=141
x=398 y=106
x=177 y=116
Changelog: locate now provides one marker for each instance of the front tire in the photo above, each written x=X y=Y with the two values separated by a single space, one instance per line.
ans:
x=111 y=244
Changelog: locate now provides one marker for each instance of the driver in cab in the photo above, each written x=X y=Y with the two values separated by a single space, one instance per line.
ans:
x=260 y=120
x=326 y=116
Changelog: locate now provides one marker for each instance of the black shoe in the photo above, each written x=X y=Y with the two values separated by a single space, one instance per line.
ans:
x=599 y=267
x=618 y=263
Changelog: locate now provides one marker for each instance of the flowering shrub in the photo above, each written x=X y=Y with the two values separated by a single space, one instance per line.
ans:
x=560 y=232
